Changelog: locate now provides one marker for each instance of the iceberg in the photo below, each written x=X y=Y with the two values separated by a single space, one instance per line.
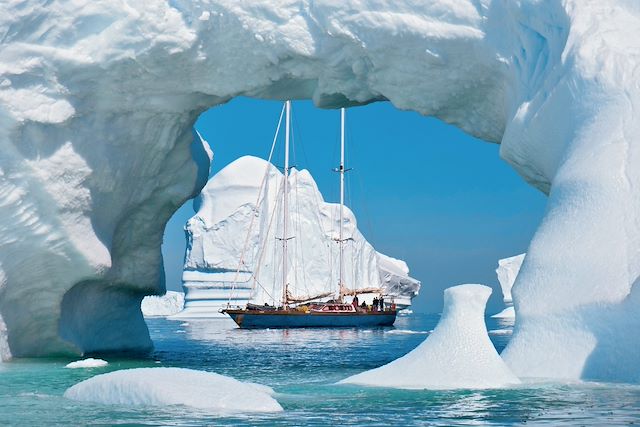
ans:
x=507 y=272
x=230 y=255
x=396 y=281
x=208 y=391
x=98 y=101
x=458 y=354
x=163 y=305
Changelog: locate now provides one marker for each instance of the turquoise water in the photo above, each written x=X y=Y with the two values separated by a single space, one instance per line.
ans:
x=302 y=366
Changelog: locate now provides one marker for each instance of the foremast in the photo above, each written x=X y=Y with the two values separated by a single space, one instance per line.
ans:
x=287 y=297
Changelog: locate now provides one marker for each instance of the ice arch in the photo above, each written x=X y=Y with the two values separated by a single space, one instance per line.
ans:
x=97 y=100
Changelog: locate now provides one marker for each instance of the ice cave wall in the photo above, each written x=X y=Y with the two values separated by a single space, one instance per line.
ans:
x=97 y=100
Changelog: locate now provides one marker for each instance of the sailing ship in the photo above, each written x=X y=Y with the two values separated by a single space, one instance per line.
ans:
x=310 y=311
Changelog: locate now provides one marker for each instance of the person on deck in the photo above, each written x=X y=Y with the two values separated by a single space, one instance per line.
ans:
x=355 y=302
x=375 y=304
x=381 y=302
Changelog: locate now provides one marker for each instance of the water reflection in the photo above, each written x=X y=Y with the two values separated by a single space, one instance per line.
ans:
x=281 y=357
x=225 y=332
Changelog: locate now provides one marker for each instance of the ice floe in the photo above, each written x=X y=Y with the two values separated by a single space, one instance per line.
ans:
x=87 y=363
x=175 y=386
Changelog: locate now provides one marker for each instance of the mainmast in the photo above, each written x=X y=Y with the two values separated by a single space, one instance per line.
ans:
x=285 y=205
x=341 y=239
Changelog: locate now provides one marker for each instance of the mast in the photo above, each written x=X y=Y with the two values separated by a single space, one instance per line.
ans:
x=285 y=204
x=341 y=240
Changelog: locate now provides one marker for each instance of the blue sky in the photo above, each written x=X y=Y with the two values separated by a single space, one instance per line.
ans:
x=422 y=190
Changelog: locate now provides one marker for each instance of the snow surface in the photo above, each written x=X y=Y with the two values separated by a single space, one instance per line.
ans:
x=507 y=272
x=231 y=224
x=164 y=305
x=215 y=393
x=98 y=99
x=87 y=363
x=458 y=354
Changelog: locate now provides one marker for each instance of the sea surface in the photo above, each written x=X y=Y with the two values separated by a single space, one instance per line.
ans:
x=303 y=367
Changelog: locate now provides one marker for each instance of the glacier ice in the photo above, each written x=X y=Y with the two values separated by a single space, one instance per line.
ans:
x=507 y=272
x=162 y=305
x=97 y=102
x=209 y=391
x=232 y=225
x=458 y=354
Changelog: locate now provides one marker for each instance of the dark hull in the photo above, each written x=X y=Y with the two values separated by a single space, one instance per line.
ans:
x=293 y=319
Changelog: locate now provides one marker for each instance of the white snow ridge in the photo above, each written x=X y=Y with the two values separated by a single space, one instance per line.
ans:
x=458 y=354
x=212 y=392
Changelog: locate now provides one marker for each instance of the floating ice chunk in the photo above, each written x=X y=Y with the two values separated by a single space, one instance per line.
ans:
x=87 y=363
x=175 y=386
x=507 y=272
x=503 y=331
x=507 y=313
x=406 y=331
x=458 y=354
x=164 y=305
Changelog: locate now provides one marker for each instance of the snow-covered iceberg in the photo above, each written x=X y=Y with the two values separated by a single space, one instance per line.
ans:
x=235 y=223
x=212 y=392
x=458 y=354
x=97 y=103
x=162 y=305
x=507 y=272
